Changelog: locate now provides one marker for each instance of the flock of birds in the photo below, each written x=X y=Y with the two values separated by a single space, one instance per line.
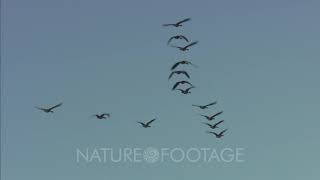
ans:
x=176 y=86
x=186 y=74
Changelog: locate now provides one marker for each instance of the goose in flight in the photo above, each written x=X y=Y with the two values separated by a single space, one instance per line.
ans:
x=214 y=126
x=177 y=24
x=102 y=116
x=180 y=82
x=179 y=72
x=182 y=62
x=218 y=135
x=47 y=110
x=212 y=117
x=205 y=106
x=186 y=91
x=186 y=48
x=177 y=37
x=146 y=125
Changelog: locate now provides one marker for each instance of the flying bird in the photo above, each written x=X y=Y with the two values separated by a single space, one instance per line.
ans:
x=220 y=135
x=214 y=126
x=102 y=116
x=177 y=37
x=178 y=24
x=47 y=110
x=185 y=48
x=146 y=125
x=213 y=116
x=180 y=82
x=186 y=91
x=179 y=72
x=205 y=106
x=182 y=62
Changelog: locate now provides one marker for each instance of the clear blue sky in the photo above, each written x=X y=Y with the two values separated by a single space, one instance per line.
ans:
x=258 y=59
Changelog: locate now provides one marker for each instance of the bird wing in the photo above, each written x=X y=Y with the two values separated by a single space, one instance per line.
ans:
x=195 y=105
x=106 y=114
x=188 y=83
x=204 y=116
x=191 y=44
x=141 y=123
x=148 y=123
x=171 y=75
x=165 y=25
x=175 y=46
x=175 y=65
x=170 y=40
x=175 y=85
x=218 y=123
x=185 y=73
x=211 y=104
x=55 y=106
x=188 y=89
x=217 y=114
x=221 y=133
x=185 y=20
x=185 y=38
x=208 y=124
x=41 y=108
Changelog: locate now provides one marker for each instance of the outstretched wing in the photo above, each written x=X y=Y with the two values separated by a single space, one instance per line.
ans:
x=188 y=83
x=216 y=124
x=222 y=132
x=185 y=38
x=208 y=124
x=43 y=109
x=185 y=73
x=211 y=103
x=55 y=106
x=148 y=123
x=188 y=89
x=165 y=25
x=175 y=85
x=217 y=114
x=106 y=114
x=141 y=123
x=185 y=20
x=175 y=65
x=191 y=44
x=170 y=40
x=210 y=132
x=171 y=75
x=196 y=105
x=204 y=116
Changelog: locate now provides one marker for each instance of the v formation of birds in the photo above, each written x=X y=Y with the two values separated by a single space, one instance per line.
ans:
x=178 y=86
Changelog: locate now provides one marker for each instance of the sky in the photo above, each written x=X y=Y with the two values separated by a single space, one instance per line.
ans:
x=258 y=59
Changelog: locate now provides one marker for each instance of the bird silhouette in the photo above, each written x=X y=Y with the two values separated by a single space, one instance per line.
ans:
x=180 y=82
x=102 y=116
x=47 y=110
x=146 y=125
x=179 y=72
x=185 y=48
x=214 y=126
x=177 y=37
x=178 y=24
x=205 y=106
x=182 y=62
x=213 y=116
x=186 y=91
x=218 y=135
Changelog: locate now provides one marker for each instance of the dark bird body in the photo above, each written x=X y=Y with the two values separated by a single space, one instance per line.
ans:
x=49 y=110
x=178 y=24
x=185 y=91
x=146 y=125
x=214 y=126
x=180 y=82
x=212 y=117
x=181 y=62
x=186 y=48
x=218 y=135
x=182 y=37
x=179 y=72
x=205 y=106
x=102 y=116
